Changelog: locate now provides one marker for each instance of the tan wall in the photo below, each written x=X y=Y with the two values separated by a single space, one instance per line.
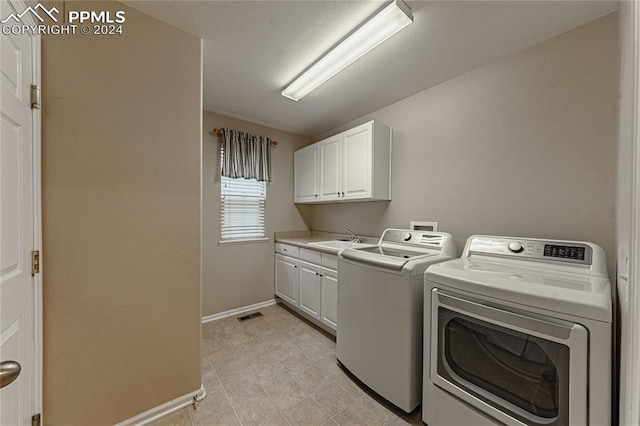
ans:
x=524 y=146
x=121 y=192
x=242 y=274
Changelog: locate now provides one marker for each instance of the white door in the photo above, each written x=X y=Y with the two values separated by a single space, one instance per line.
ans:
x=356 y=162
x=305 y=182
x=329 y=302
x=330 y=169
x=309 y=289
x=19 y=229
x=628 y=212
x=287 y=278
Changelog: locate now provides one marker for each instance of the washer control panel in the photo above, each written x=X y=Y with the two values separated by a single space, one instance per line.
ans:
x=411 y=237
x=557 y=251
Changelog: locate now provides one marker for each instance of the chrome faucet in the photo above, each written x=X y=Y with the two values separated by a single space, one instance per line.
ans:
x=352 y=236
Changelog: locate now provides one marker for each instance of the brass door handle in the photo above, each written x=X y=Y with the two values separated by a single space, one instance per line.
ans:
x=9 y=371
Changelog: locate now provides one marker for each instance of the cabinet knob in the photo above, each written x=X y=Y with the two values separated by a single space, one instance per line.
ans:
x=342 y=194
x=338 y=194
x=316 y=195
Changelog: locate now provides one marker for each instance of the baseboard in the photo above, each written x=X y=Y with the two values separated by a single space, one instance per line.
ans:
x=164 y=409
x=236 y=311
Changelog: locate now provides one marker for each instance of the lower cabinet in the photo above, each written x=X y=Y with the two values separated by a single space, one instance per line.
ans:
x=312 y=289
x=309 y=279
x=287 y=278
x=329 y=298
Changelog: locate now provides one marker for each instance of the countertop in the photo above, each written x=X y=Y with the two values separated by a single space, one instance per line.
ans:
x=303 y=238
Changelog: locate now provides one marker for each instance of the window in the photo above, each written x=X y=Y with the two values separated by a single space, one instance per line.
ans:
x=242 y=208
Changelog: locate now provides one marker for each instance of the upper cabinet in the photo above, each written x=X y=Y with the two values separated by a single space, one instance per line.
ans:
x=351 y=166
x=305 y=181
x=330 y=168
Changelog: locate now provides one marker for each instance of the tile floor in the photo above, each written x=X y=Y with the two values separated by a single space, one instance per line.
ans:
x=279 y=370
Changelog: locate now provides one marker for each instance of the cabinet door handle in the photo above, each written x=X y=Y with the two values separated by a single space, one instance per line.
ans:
x=342 y=194
x=321 y=275
x=317 y=274
x=295 y=266
x=338 y=194
x=316 y=195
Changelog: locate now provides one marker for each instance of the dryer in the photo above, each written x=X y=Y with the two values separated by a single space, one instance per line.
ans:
x=380 y=297
x=518 y=332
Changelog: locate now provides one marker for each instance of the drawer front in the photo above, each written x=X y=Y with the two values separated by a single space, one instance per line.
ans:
x=312 y=256
x=330 y=261
x=287 y=250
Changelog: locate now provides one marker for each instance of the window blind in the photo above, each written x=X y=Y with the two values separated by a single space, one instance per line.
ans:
x=243 y=203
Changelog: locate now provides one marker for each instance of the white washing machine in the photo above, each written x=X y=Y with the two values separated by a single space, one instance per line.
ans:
x=518 y=332
x=380 y=296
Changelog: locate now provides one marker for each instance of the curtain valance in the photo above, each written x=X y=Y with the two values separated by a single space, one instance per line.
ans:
x=245 y=156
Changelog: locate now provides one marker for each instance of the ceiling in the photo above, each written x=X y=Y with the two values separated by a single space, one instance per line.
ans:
x=252 y=50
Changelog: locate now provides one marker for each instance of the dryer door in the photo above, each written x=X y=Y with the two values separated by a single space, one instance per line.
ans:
x=512 y=366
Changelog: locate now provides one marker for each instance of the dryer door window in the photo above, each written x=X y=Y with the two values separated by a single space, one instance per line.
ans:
x=528 y=372
x=516 y=374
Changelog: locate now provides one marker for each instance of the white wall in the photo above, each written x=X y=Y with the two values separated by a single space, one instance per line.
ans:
x=524 y=146
x=242 y=274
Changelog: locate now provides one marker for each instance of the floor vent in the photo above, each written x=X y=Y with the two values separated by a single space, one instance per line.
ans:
x=250 y=316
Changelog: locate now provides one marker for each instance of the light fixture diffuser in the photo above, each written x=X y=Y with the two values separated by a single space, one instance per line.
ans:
x=391 y=19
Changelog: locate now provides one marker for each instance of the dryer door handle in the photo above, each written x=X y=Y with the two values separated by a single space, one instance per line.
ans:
x=501 y=317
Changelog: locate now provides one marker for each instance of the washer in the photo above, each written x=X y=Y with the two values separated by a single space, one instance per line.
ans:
x=380 y=299
x=518 y=332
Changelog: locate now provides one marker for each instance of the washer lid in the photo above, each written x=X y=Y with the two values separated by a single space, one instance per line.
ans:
x=384 y=257
x=539 y=287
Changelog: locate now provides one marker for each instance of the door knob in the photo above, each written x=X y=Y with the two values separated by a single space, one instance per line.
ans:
x=9 y=371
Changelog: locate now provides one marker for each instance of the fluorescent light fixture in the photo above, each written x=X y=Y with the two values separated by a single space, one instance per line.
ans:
x=391 y=19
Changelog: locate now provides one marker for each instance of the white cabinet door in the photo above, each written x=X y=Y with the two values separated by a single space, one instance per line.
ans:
x=329 y=286
x=330 y=168
x=305 y=182
x=287 y=278
x=309 y=287
x=357 y=148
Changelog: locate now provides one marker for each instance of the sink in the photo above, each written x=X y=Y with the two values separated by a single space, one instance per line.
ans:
x=339 y=245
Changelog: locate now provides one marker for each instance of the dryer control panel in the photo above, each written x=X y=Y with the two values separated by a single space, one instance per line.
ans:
x=556 y=251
